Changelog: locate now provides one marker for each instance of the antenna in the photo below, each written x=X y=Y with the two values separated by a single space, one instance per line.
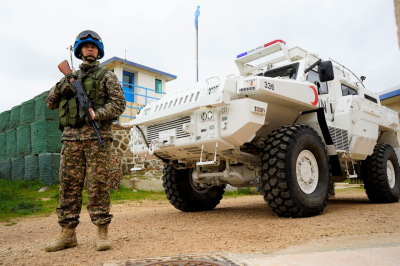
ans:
x=125 y=54
x=71 y=48
x=361 y=81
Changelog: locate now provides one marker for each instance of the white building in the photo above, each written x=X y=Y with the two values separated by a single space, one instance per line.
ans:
x=141 y=84
x=391 y=98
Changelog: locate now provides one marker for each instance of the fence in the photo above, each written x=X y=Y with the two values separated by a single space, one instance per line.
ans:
x=131 y=86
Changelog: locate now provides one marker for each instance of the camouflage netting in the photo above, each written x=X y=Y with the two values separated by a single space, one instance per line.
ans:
x=14 y=117
x=24 y=140
x=17 y=168
x=27 y=113
x=2 y=147
x=49 y=166
x=45 y=137
x=11 y=143
x=31 y=167
x=5 y=170
x=4 y=120
x=42 y=112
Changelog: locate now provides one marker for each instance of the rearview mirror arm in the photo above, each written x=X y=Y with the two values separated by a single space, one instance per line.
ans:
x=312 y=66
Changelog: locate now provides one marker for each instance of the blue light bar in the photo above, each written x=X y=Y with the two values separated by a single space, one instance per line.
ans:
x=245 y=53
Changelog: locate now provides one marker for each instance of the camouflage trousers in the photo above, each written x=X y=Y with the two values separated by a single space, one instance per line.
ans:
x=115 y=170
x=80 y=160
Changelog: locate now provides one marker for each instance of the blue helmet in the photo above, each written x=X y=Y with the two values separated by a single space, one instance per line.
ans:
x=88 y=36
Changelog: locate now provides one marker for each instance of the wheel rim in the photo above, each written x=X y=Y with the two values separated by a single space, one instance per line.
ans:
x=391 y=175
x=307 y=171
x=195 y=185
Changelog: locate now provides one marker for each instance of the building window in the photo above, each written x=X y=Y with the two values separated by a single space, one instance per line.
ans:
x=158 y=86
x=128 y=79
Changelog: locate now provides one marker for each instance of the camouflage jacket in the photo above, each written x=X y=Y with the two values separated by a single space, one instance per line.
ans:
x=111 y=89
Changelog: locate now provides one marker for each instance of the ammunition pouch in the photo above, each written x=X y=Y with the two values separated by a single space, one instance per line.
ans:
x=70 y=113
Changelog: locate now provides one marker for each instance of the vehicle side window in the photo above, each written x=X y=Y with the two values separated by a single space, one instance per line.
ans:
x=372 y=99
x=313 y=77
x=289 y=71
x=348 y=91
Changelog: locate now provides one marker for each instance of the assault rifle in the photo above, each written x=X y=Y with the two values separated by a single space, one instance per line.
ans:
x=82 y=98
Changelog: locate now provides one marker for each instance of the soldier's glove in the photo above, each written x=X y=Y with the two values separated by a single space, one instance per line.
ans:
x=69 y=76
x=66 y=89
x=96 y=118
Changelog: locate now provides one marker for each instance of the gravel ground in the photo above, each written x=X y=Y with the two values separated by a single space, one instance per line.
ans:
x=238 y=225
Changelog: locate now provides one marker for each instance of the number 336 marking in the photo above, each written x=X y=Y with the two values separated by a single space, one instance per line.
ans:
x=269 y=85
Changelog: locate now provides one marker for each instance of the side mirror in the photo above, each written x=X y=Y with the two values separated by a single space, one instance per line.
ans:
x=325 y=71
x=318 y=86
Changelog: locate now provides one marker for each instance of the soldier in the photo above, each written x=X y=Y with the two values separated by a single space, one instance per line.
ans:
x=81 y=155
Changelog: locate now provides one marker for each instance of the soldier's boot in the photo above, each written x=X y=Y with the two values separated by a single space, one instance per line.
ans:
x=67 y=239
x=102 y=242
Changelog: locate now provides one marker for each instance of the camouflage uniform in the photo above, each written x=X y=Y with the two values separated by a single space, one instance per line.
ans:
x=115 y=171
x=82 y=156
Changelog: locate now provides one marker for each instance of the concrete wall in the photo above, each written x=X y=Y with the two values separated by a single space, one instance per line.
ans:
x=142 y=78
x=148 y=80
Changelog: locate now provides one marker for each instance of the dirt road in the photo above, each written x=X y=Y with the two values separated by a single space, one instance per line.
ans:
x=237 y=225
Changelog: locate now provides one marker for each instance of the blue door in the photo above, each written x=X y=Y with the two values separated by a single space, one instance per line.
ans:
x=128 y=78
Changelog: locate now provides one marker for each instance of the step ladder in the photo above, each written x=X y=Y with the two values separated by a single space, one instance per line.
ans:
x=213 y=162
x=350 y=176
x=138 y=167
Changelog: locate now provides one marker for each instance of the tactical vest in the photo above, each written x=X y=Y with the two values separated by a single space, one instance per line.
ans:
x=70 y=113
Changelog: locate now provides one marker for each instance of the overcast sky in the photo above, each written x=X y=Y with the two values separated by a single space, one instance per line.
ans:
x=34 y=36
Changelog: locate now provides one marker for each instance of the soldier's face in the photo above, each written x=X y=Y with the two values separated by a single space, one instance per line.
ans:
x=90 y=52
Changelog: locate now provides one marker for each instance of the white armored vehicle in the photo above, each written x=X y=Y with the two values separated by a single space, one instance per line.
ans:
x=291 y=125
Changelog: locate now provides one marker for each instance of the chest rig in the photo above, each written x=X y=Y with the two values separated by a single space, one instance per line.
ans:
x=70 y=113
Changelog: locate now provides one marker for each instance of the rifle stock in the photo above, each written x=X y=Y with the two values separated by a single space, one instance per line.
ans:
x=65 y=69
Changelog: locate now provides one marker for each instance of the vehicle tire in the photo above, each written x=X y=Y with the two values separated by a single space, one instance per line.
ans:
x=184 y=195
x=380 y=172
x=295 y=172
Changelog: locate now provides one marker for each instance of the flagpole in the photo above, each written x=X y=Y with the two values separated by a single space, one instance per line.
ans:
x=197 y=52
x=196 y=24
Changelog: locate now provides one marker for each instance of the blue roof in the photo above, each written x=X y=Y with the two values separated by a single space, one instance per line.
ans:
x=137 y=65
x=389 y=95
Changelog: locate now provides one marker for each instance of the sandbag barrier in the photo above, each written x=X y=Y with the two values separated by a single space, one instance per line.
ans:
x=2 y=147
x=17 y=168
x=4 y=120
x=49 y=165
x=27 y=113
x=45 y=137
x=24 y=140
x=30 y=138
x=31 y=167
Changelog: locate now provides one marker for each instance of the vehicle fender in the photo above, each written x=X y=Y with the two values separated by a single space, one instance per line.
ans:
x=390 y=137
x=316 y=120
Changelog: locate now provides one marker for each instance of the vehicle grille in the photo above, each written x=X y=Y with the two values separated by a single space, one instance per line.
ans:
x=340 y=138
x=152 y=131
